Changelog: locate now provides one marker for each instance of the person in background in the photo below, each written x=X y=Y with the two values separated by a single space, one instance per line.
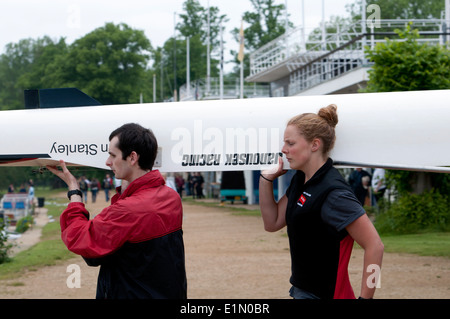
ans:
x=31 y=191
x=84 y=186
x=179 y=182
x=107 y=186
x=378 y=185
x=95 y=185
x=22 y=189
x=170 y=181
x=359 y=181
x=198 y=182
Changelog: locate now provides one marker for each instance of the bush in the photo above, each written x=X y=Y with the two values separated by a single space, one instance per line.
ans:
x=413 y=213
x=4 y=246
x=24 y=223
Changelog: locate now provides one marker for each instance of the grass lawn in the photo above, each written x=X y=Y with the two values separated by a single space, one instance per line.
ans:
x=427 y=244
x=47 y=252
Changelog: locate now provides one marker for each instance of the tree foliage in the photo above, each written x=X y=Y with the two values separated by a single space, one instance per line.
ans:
x=194 y=23
x=408 y=65
x=46 y=67
x=5 y=245
x=401 y=9
x=413 y=213
x=26 y=65
x=170 y=63
x=266 y=22
x=107 y=64
x=172 y=56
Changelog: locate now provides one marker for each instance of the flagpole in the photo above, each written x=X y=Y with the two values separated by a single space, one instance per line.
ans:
x=208 y=62
x=174 y=58
x=242 y=80
x=221 y=62
x=188 y=67
x=154 y=88
x=241 y=57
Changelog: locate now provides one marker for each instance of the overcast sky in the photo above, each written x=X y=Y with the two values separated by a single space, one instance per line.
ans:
x=72 y=19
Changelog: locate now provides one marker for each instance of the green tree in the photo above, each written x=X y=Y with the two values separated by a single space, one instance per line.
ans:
x=24 y=65
x=408 y=65
x=194 y=22
x=108 y=64
x=172 y=55
x=266 y=22
x=13 y=63
x=198 y=54
x=164 y=58
x=45 y=70
x=15 y=176
x=401 y=9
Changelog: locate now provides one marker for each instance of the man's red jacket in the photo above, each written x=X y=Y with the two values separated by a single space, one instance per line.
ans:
x=137 y=240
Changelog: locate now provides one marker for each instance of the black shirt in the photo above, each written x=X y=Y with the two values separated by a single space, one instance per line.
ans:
x=317 y=213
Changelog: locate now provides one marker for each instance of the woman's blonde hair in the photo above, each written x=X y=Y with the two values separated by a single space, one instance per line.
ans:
x=320 y=125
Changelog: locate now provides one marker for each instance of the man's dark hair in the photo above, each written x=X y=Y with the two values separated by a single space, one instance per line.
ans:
x=133 y=137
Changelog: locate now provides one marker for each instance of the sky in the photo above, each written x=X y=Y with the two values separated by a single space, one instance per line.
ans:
x=72 y=19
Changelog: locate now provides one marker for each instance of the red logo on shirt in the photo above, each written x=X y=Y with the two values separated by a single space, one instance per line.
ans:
x=301 y=201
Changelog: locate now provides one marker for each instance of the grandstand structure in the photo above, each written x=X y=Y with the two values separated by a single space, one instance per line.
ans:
x=333 y=63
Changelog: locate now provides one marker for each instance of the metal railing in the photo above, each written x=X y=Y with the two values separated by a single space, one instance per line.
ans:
x=202 y=90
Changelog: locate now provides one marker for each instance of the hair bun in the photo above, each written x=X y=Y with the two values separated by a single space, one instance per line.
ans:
x=329 y=114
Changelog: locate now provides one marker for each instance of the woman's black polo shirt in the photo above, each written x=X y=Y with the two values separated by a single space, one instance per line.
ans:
x=317 y=213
